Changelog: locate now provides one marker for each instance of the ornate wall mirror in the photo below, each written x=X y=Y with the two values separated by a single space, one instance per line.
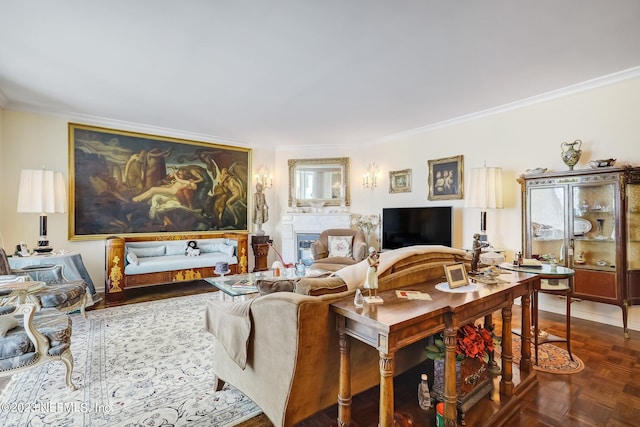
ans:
x=316 y=181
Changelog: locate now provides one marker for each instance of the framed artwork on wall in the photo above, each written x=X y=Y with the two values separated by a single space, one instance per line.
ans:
x=446 y=178
x=400 y=181
x=127 y=183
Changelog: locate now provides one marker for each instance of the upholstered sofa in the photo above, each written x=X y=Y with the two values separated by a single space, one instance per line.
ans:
x=281 y=348
x=159 y=259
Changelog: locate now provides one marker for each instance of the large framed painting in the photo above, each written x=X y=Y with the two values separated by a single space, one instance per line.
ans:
x=445 y=178
x=128 y=183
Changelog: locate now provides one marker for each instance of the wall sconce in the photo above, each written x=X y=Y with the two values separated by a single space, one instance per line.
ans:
x=370 y=178
x=42 y=191
x=264 y=177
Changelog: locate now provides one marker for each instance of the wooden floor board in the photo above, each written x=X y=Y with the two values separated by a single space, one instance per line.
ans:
x=605 y=393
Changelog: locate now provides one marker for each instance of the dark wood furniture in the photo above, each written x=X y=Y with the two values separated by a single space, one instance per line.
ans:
x=589 y=220
x=117 y=281
x=400 y=322
x=260 y=246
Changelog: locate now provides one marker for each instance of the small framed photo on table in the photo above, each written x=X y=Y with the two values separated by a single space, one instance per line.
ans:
x=456 y=275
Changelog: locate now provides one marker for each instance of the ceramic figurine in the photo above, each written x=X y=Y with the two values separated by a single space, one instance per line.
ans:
x=371 y=280
x=358 y=299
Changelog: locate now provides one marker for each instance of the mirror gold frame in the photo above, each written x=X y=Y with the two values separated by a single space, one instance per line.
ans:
x=313 y=166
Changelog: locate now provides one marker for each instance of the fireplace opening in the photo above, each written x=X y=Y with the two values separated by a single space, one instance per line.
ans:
x=303 y=246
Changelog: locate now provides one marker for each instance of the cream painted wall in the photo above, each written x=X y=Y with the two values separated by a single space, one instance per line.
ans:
x=528 y=137
x=29 y=141
x=525 y=138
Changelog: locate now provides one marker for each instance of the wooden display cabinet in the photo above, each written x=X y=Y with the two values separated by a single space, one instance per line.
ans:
x=589 y=221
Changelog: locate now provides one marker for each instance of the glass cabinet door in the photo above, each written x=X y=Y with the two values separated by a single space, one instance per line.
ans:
x=593 y=226
x=547 y=223
x=633 y=243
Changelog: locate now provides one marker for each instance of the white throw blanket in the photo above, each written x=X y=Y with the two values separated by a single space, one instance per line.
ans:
x=354 y=275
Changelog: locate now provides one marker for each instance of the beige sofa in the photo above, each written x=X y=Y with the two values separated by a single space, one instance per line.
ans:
x=281 y=349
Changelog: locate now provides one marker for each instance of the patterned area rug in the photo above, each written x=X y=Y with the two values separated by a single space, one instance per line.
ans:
x=551 y=358
x=145 y=364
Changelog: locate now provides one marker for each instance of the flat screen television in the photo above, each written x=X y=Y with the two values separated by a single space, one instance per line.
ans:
x=417 y=226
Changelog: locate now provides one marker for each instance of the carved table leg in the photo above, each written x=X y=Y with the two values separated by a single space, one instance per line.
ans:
x=344 y=384
x=386 y=390
x=506 y=386
x=450 y=395
x=525 y=348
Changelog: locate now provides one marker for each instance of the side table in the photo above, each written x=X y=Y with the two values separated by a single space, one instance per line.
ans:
x=74 y=268
x=260 y=246
x=551 y=285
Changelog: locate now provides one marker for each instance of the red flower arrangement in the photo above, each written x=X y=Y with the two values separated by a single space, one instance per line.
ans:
x=471 y=341
x=474 y=341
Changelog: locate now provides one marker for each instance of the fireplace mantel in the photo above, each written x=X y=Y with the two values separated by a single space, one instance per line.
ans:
x=308 y=223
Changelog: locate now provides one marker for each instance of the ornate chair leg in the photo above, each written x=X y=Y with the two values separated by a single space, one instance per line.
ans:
x=67 y=359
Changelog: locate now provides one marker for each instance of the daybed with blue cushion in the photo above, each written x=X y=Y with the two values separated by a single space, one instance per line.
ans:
x=153 y=260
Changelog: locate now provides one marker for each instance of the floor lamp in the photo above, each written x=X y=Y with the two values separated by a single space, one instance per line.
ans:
x=484 y=191
x=43 y=192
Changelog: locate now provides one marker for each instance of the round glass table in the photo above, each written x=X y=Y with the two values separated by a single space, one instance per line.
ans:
x=555 y=280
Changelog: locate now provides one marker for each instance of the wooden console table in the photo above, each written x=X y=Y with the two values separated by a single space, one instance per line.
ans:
x=400 y=322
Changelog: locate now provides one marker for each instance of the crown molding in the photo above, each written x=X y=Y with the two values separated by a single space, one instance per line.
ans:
x=609 y=79
x=595 y=83
x=4 y=101
x=128 y=126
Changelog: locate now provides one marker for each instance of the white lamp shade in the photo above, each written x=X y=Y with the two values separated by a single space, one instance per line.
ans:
x=41 y=191
x=484 y=188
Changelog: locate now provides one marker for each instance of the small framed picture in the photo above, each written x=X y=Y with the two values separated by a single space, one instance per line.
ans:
x=456 y=275
x=400 y=181
x=445 y=178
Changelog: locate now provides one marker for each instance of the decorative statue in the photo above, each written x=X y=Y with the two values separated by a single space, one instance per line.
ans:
x=477 y=248
x=371 y=280
x=260 y=210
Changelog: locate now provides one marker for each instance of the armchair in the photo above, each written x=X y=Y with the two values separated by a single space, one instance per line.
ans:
x=60 y=293
x=337 y=248
x=28 y=338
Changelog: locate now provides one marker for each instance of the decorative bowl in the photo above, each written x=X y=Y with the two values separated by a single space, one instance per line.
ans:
x=535 y=171
x=603 y=163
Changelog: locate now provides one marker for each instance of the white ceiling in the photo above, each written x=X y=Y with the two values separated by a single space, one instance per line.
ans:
x=295 y=72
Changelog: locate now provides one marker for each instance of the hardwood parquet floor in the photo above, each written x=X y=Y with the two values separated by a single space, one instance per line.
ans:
x=605 y=393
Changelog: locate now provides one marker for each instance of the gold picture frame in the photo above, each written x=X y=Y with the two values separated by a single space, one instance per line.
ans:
x=446 y=178
x=129 y=183
x=456 y=275
x=400 y=181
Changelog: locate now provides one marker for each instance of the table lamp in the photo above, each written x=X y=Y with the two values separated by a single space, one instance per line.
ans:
x=43 y=192
x=484 y=190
